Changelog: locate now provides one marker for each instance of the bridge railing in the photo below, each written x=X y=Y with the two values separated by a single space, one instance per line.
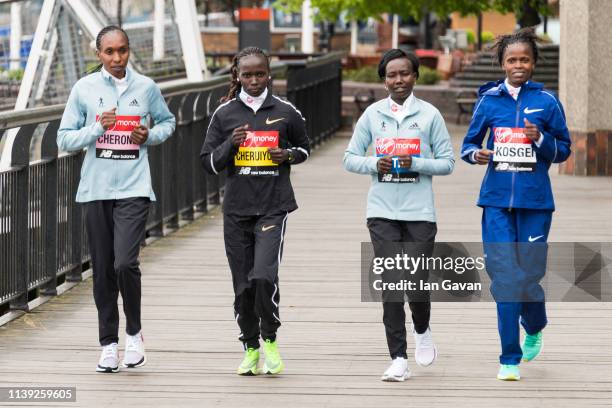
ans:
x=42 y=237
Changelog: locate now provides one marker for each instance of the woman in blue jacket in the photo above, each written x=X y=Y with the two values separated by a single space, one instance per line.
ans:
x=106 y=114
x=411 y=144
x=527 y=133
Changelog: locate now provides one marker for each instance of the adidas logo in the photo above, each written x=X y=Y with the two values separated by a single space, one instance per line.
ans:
x=414 y=125
x=134 y=103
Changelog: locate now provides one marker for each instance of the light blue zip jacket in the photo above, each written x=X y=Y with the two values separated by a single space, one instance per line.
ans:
x=402 y=201
x=108 y=178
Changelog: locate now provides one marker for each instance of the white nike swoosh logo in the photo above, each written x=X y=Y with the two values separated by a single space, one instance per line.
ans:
x=535 y=238
x=269 y=122
x=269 y=227
x=527 y=110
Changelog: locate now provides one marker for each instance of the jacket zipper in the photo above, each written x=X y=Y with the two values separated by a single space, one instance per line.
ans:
x=115 y=164
x=518 y=113
x=397 y=185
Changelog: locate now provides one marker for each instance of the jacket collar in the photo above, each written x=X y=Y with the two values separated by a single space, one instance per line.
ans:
x=498 y=88
x=267 y=103
x=384 y=107
x=129 y=75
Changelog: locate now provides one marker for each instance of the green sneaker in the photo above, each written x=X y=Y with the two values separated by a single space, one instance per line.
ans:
x=273 y=363
x=249 y=363
x=532 y=345
x=508 y=373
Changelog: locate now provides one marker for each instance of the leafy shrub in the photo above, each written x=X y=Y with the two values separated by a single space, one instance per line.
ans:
x=471 y=37
x=428 y=76
x=364 y=74
x=487 y=37
x=15 y=74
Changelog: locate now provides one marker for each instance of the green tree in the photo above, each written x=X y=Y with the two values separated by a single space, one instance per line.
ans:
x=361 y=9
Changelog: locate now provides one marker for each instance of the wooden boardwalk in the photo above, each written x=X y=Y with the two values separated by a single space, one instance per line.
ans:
x=333 y=344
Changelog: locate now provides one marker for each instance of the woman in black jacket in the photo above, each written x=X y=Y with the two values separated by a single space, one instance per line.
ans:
x=256 y=136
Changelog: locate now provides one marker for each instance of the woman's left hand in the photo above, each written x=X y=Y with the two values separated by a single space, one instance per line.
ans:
x=278 y=155
x=139 y=134
x=531 y=131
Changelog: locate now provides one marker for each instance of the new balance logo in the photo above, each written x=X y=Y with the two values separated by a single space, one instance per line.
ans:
x=106 y=154
x=414 y=125
x=134 y=103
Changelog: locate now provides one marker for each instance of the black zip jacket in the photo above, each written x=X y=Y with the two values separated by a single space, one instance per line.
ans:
x=247 y=194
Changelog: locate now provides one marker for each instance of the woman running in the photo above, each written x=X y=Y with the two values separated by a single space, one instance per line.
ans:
x=257 y=137
x=107 y=114
x=527 y=132
x=411 y=144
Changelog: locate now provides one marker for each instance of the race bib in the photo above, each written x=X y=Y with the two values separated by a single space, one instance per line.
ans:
x=389 y=146
x=115 y=143
x=253 y=158
x=513 y=151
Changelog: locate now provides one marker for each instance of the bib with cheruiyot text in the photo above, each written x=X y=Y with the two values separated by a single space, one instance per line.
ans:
x=253 y=158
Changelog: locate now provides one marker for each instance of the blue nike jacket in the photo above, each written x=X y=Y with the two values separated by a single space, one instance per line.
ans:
x=506 y=185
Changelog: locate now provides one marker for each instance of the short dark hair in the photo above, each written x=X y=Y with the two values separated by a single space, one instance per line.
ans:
x=107 y=30
x=396 y=53
x=525 y=35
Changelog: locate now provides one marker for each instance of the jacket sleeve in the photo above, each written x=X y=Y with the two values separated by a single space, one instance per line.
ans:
x=300 y=144
x=163 y=119
x=72 y=134
x=556 y=144
x=443 y=161
x=217 y=150
x=355 y=159
x=476 y=132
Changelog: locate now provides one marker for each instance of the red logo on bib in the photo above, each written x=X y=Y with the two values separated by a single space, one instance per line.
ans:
x=510 y=135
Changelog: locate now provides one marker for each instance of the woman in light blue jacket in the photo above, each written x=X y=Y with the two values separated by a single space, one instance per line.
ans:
x=410 y=145
x=107 y=113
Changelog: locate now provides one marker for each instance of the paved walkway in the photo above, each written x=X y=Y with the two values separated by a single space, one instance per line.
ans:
x=333 y=345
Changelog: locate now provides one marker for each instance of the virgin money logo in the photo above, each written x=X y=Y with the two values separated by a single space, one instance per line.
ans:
x=410 y=147
x=510 y=135
x=385 y=146
x=503 y=135
x=256 y=140
x=128 y=123
x=394 y=147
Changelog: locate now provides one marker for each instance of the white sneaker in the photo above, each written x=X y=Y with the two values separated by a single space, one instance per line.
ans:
x=134 y=351
x=397 y=371
x=109 y=359
x=425 y=351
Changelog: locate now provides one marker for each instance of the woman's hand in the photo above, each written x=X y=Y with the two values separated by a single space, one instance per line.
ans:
x=108 y=119
x=483 y=156
x=239 y=135
x=384 y=164
x=531 y=131
x=139 y=135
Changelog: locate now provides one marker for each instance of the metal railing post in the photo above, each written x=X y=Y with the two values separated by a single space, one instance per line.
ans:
x=49 y=153
x=20 y=158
